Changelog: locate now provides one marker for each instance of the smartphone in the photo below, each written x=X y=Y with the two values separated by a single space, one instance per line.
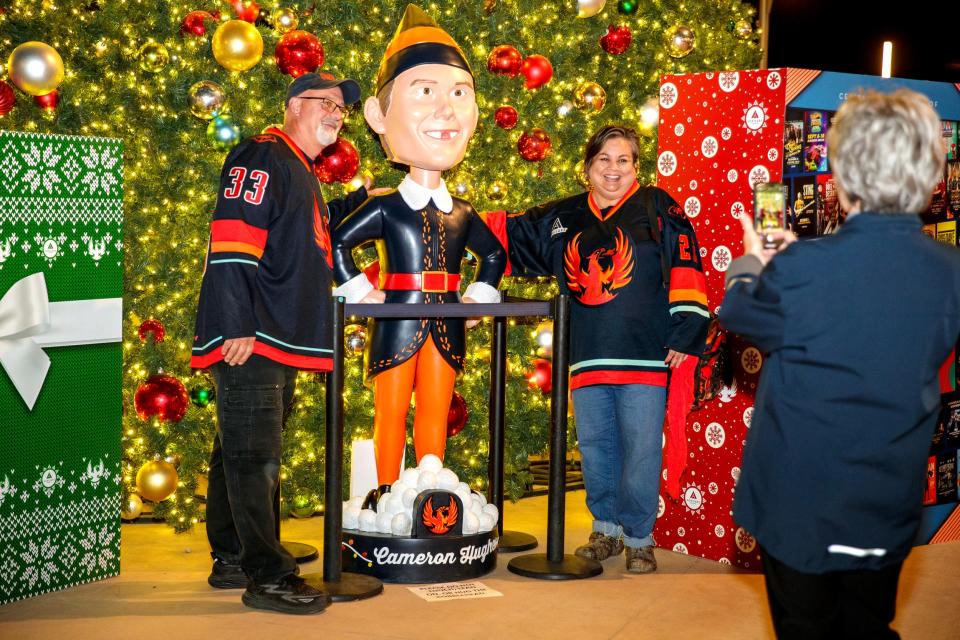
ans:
x=769 y=211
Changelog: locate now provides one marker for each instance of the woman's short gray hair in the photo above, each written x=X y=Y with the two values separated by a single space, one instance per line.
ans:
x=886 y=150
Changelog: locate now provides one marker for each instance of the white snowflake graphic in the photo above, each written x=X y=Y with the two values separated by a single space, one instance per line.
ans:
x=724 y=561
x=713 y=488
x=97 y=549
x=41 y=171
x=39 y=563
x=719 y=531
x=735 y=473
x=745 y=542
x=680 y=548
x=668 y=95
x=693 y=185
x=661 y=506
x=737 y=209
x=681 y=531
x=772 y=155
x=726 y=133
x=732 y=175
x=754 y=117
x=709 y=147
x=715 y=435
x=759 y=174
x=696 y=427
x=721 y=258
x=703 y=252
x=100 y=165
x=729 y=80
x=692 y=207
x=678 y=129
x=773 y=80
x=667 y=163
x=748 y=416
x=751 y=360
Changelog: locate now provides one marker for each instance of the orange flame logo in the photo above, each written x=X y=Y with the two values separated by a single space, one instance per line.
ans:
x=321 y=233
x=597 y=284
x=441 y=520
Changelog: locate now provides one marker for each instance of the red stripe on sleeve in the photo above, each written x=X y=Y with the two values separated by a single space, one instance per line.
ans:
x=687 y=278
x=238 y=231
x=497 y=223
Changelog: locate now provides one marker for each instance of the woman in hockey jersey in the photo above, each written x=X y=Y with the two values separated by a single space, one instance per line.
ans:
x=629 y=259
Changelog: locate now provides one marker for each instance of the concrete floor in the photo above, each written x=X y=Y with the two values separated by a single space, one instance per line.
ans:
x=162 y=593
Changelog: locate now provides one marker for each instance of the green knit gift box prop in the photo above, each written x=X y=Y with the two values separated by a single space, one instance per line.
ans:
x=61 y=280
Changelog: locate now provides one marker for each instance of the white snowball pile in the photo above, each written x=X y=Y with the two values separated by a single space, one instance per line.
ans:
x=394 y=514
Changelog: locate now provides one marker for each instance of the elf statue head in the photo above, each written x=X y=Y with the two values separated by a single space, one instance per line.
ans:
x=425 y=110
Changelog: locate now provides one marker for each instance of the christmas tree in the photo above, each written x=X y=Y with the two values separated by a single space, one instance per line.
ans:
x=157 y=74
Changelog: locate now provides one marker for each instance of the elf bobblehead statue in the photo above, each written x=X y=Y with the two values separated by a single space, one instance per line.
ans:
x=425 y=112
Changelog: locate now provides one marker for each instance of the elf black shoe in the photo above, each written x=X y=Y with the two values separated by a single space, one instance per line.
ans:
x=289 y=594
x=226 y=575
x=373 y=496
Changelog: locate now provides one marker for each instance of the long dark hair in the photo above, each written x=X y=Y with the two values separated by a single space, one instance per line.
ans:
x=609 y=132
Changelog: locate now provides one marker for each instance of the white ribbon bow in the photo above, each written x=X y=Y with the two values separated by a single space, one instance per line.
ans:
x=29 y=322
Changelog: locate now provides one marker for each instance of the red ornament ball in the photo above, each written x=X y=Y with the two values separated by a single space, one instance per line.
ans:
x=195 y=23
x=7 y=98
x=298 y=52
x=537 y=70
x=152 y=327
x=337 y=162
x=534 y=145
x=505 y=117
x=248 y=12
x=617 y=39
x=542 y=376
x=457 y=416
x=162 y=396
x=48 y=101
x=504 y=60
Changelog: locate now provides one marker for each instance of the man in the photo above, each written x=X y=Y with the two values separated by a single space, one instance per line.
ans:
x=264 y=314
x=425 y=112
x=855 y=326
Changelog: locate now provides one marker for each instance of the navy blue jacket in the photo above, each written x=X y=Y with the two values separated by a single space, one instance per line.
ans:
x=855 y=327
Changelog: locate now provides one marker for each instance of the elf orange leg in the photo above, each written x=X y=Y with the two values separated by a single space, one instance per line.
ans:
x=392 y=389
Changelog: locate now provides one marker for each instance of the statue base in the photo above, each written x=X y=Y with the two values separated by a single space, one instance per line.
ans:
x=409 y=560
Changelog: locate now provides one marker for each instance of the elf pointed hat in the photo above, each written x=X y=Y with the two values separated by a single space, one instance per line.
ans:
x=418 y=40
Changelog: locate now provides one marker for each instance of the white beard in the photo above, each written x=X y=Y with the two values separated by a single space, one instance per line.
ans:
x=325 y=136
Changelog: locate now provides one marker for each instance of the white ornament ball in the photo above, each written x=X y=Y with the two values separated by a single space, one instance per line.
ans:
x=384 y=520
x=427 y=481
x=396 y=504
x=487 y=523
x=482 y=498
x=463 y=486
x=491 y=510
x=356 y=501
x=476 y=508
x=466 y=496
x=351 y=517
x=367 y=520
x=384 y=503
x=410 y=476
x=408 y=497
x=471 y=522
x=398 y=487
x=401 y=524
x=447 y=479
x=430 y=462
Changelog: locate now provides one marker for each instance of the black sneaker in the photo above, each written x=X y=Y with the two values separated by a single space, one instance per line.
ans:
x=226 y=575
x=289 y=594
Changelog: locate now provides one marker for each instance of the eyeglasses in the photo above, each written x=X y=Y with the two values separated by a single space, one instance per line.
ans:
x=329 y=105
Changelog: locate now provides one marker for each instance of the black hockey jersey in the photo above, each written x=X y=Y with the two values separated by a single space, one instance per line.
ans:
x=634 y=275
x=268 y=267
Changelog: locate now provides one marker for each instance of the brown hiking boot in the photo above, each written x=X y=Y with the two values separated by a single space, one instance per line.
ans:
x=600 y=547
x=641 y=560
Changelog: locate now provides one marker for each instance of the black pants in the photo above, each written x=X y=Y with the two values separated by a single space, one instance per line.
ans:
x=839 y=604
x=253 y=402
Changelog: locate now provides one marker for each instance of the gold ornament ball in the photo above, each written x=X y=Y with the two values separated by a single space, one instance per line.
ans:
x=580 y=173
x=589 y=97
x=157 y=480
x=132 y=507
x=681 y=41
x=359 y=180
x=743 y=29
x=301 y=507
x=237 y=45
x=497 y=191
x=589 y=8
x=153 y=57
x=36 y=68
x=206 y=99
x=285 y=20
x=543 y=336
x=355 y=338
x=650 y=114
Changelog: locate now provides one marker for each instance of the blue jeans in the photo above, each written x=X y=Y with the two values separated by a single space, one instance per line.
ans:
x=620 y=429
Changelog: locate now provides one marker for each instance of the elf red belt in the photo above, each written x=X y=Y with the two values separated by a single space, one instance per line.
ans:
x=426 y=281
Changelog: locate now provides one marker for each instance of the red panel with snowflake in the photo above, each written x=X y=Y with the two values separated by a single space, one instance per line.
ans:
x=720 y=133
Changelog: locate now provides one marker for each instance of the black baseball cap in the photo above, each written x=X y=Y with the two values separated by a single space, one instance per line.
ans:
x=310 y=81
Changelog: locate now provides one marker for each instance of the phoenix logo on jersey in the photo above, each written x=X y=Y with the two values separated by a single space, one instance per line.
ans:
x=605 y=271
x=321 y=233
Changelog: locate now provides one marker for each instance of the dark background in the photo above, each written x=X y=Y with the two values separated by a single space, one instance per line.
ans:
x=848 y=36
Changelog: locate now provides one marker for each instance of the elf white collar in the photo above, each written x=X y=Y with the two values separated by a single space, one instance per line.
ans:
x=417 y=196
